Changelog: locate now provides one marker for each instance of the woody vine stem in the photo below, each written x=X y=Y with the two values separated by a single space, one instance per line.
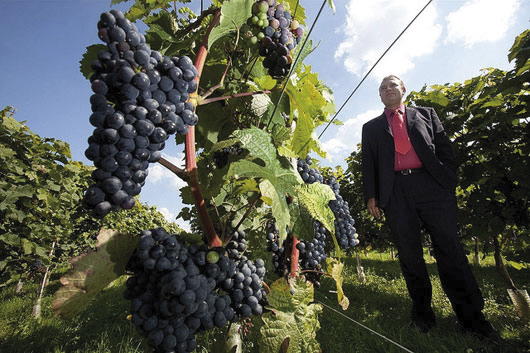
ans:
x=190 y=175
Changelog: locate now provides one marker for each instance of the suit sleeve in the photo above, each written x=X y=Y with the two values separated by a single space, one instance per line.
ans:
x=368 y=166
x=442 y=144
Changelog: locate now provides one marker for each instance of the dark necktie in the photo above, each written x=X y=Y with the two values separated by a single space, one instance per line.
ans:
x=399 y=129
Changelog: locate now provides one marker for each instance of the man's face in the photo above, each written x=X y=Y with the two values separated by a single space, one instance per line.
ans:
x=391 y=92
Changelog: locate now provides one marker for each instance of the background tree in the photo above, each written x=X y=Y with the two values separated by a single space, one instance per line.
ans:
x=44 y=223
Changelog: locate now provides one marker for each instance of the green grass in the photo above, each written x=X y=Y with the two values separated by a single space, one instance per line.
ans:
x=381 y=304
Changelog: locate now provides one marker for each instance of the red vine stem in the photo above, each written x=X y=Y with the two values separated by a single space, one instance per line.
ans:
x=191 y=162
x=295 y=254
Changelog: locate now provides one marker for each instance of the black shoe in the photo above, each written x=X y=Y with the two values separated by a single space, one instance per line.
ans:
x=483 y=330
x=424 y=321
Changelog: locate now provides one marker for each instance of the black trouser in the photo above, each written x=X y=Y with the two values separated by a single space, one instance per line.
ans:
x=418 y=197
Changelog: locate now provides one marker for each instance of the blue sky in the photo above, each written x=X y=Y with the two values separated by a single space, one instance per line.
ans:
x=42 y=41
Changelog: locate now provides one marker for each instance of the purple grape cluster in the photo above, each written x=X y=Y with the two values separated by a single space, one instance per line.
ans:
x=237 y=244
x=309 y=175
x=139 y=99
x=281 y=260
x=278 y=34
x=344 y=223
x=313 y=253
x=221 y=157
x=177 y=291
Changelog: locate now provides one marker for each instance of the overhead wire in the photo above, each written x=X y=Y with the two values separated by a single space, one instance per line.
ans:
x=365 y=327
x=373 y=66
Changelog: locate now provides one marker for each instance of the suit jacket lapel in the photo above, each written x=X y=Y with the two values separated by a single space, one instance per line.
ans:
x=383 y=123
x=411 y=115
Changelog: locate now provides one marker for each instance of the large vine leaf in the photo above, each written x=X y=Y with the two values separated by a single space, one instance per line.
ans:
x=292 y=322
x=90 y=55
x=234 y=14
x=334 y=268
x=311 y=202
x=309 y=107
x=276 y=178
x=92 y=272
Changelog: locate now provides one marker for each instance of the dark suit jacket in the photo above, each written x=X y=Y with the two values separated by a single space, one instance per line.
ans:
x=428 y=139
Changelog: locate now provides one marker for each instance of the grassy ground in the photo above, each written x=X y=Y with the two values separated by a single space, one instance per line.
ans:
x=380 y=303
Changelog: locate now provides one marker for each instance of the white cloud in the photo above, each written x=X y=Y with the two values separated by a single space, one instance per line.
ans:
x=481 y=21
x=348 y=135
x=168 y=215
x=184 y=225
x=171 y=217
x=370 y=28
x=160 y=174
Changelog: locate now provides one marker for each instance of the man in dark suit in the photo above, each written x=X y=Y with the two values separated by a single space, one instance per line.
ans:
x=409 y=172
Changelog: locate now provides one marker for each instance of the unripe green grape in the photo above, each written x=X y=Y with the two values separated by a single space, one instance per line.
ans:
x=254 y=19
x=212 y=257
x=253 y=40
x=263 y=6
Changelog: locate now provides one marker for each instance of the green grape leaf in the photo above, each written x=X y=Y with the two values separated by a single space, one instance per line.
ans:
x=276 y=177
x=332 y=5
x=259 y=144
x=311 y=202
x=91 y=54
x=306 y=102
x=93 y=271
x=213 y=121
x=234 y=14
x=334 y=268
x=265 y=82
x=292 y=322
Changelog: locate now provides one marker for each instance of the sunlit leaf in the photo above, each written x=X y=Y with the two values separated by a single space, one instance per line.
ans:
x=292 y=318
x=234 y=14
x=334 y=268
x=92 y=272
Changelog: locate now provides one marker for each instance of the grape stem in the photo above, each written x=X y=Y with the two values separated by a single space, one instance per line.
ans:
x=181 y=173
x=243 y=94
x=267 y=288
x=250 y=208
x=196 y=24
x=191 y=161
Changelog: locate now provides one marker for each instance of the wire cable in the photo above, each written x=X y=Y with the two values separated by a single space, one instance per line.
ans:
x=365 y=327
x=372 y=68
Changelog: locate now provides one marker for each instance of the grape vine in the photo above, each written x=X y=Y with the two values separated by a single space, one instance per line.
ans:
x=241 y=179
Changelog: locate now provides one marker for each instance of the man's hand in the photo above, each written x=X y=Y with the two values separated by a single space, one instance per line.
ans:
x=372 y=208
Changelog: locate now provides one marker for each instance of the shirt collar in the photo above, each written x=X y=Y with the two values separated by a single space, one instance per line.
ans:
x=388 y=112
